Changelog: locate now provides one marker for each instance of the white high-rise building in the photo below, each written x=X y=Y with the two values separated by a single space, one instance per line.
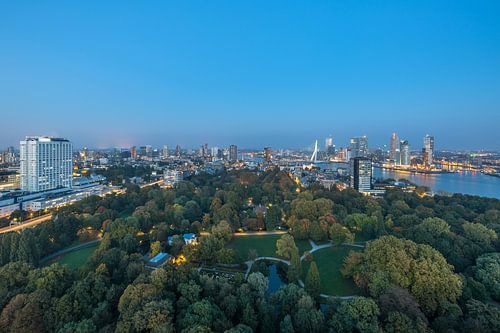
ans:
x=46 y=163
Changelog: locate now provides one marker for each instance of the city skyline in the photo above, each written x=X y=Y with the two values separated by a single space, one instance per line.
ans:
x=253 y=75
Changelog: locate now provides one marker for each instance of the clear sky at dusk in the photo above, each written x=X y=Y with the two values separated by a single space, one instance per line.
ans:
x=254 y=73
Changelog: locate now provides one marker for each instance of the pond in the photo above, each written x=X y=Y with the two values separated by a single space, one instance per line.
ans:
x=275 y=280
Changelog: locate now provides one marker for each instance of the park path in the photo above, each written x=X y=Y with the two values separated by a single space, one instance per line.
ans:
x=314 y=247
x=251 y=233
x=70 y=249
x=250 y=263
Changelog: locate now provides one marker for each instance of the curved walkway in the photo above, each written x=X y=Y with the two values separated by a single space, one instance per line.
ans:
x=70 y=249
x=250 y=263
x=314 y=247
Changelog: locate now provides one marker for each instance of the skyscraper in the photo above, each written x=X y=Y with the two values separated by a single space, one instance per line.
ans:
x=359 y=146
x=428 y=150
x=361 y=173
x=178 y=151
x=268 y=154
x=46 y=163
x=164 y=153
x=133 y=152
x=329 y=147
x=233 y=153
x=393 y=147
x=404 y=152
x=149 y=151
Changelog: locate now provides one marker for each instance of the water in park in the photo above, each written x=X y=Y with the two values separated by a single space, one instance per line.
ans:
x=275 y=281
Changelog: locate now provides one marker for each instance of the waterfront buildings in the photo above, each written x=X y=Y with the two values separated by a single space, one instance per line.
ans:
x=361 y=174
x=428 y=150
x=46 y=163
x=329 y=147
x=359 y=146
x=404 y=152
x=393 y=145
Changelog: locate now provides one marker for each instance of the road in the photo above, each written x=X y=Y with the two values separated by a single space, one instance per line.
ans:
x=37 y=220
x=28 y=224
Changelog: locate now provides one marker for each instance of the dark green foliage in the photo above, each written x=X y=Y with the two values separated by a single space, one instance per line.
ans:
x=413 y=287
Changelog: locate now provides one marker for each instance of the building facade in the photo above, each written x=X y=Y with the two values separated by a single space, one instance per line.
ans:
x=359 y=146
x=46 y=163
x=404 y=150
x=233 y=153
x=361 y=174
x=393 y=147
x=428 y=151
x=268 y=154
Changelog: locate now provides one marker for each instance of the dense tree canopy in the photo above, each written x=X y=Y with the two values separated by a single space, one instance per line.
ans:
x=408 y=271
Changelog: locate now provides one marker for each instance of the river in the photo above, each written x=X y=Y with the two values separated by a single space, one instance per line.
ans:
x=465 y=182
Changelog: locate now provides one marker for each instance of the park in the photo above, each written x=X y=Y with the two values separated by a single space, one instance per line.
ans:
x=328 y=258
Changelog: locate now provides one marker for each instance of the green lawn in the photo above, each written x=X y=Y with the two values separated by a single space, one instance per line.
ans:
x=265 y=246
x=77 y=258
x=329 y=262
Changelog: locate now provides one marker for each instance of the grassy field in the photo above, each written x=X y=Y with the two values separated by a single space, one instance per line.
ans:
x=329 y=262
x=264 y=245
x=77 y=258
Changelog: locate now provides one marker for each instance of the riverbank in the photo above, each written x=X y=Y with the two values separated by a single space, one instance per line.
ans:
x=463 y=182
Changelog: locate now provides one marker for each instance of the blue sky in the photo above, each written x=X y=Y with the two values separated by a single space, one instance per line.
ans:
x=254 y=73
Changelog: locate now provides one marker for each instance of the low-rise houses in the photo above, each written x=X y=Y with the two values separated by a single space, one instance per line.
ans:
x=187 y=238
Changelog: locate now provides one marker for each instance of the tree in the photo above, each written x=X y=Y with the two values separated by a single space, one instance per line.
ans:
x=358 y=222
x=396 y=299
x=223 y=231
x=192 y=211
x=399 y=322
x=273 y=217
x=308 y=319
x=154 y=248
x=357 y=315
x=313 y=284
x=259 y=283
x=240 y=328
x=285 y=246
x=317 y=233
x=286 y=325
x=482 y=317
x=295 y=268
x=479 y=234
x=418 y=268
x=340 y=235
x=487 y=271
